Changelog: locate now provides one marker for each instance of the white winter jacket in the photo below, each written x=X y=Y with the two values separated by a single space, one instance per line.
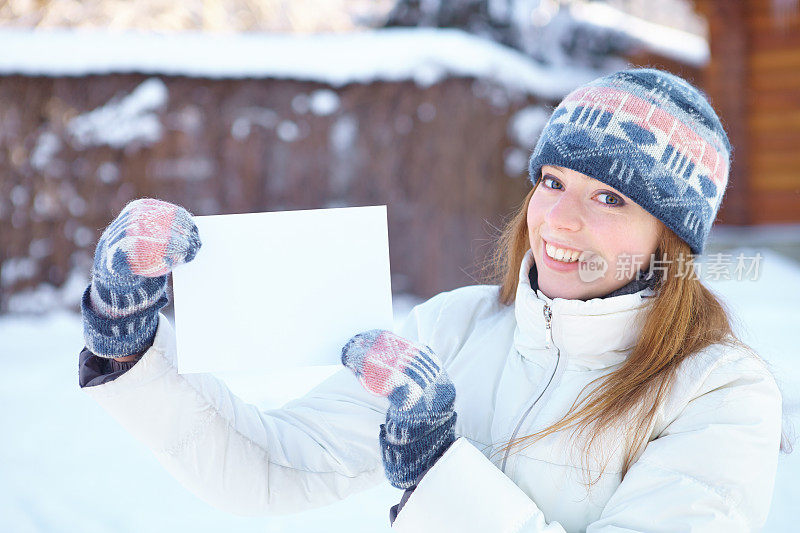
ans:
x=709 y=465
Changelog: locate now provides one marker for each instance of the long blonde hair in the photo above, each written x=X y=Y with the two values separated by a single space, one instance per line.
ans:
x=693 y=315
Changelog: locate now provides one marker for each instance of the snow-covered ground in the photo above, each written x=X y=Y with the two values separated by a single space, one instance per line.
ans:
x=65 y=465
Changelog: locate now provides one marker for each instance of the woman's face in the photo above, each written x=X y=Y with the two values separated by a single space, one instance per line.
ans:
x=572 y=211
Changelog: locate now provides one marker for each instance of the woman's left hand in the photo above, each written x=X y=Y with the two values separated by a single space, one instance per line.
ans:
x=420 y=420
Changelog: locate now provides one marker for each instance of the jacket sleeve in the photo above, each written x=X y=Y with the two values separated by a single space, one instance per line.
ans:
x=310 y=452
x=94 y=370
x=711 y=469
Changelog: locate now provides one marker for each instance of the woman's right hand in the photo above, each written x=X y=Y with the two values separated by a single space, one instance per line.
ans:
x=133 y=258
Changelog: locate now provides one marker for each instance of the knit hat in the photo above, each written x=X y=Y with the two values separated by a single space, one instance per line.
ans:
x=652 y=136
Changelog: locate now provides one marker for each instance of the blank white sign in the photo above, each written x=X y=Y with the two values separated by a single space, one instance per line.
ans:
x=280 y=290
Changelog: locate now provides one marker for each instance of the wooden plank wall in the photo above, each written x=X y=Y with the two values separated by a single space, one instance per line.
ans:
x=725 y=82
x=753 y=80
x=434 y=155
x=773 y=118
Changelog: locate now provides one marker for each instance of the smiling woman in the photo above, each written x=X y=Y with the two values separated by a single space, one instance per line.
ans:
x=613 y=401
x=575 y=214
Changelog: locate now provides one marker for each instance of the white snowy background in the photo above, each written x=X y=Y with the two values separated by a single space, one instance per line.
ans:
x=65 y=465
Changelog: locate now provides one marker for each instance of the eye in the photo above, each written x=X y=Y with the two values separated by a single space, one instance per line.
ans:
x=615 y=199
x=549 y=178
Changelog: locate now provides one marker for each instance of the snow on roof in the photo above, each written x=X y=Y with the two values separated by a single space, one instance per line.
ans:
x=669 y=42
x=425 y=55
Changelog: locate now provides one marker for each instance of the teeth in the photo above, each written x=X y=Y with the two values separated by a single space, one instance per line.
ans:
x=560 y=254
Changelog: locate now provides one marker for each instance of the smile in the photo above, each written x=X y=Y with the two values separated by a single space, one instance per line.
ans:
x=565 y=255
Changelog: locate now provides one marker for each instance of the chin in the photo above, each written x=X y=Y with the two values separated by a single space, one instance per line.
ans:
x=560 y=290
x=569 y=290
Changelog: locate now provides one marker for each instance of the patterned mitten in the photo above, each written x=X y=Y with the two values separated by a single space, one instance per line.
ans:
x=133 y=258
x=420 y=421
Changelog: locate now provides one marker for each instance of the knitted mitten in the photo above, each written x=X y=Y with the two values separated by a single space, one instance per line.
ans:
x=133 y=258
x=420 y=421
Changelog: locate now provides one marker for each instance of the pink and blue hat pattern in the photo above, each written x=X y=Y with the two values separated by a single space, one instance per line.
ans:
x=652 y=136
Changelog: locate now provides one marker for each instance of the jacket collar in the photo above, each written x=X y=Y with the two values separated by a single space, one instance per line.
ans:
x=591 y=334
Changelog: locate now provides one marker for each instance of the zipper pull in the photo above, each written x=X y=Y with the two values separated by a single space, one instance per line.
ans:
x=548 y=332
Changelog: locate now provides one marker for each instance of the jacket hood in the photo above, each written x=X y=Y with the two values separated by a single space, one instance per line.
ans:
x=591 y=334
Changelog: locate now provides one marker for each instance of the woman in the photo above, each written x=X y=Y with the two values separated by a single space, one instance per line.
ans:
x=599 y=387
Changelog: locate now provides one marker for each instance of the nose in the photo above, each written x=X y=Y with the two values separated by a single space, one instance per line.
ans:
x=565 y=213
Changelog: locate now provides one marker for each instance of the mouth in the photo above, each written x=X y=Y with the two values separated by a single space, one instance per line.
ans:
x=558 y=265
x=560 y=253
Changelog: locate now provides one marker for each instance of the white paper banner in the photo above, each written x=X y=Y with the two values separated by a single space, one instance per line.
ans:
x=284 y=289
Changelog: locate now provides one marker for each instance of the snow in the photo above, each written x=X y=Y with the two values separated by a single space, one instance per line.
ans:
x=767 y=317
x=300 y=104
x=259 y=116
x=47 y=146
x=19 y=195
x=425 y=55
x=343 y=134
x=108 y=172
x=342 y=138
x=287 y=131
x=189 y=119
x=46 y=203
x=123 y=121
x=526 y=125
x=497 y=9
x=16 y=269
x=541 y=15
x=83 y=236
x=524 y=128
x=515 y=162
x=76 y=205
x=324 y=102
x=39 y=248
x=67 y=465
x=668 y=42
x=46 y=296
x=188 y=169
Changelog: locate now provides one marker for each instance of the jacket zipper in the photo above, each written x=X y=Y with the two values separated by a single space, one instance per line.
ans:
x=548 y=332
x=548 y=338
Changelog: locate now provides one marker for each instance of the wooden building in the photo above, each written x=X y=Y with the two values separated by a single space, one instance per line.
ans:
x=443 y=153
x=753 y=79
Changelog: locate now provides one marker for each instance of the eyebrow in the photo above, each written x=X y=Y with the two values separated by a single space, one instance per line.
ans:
x=586 y=178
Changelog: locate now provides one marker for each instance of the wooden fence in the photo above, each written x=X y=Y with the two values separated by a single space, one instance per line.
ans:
x=74 y=151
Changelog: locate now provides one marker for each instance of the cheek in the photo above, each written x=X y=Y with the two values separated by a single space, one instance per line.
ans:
x=644 y=234
x=632 y=240
x=535 y=210
x=534 y=229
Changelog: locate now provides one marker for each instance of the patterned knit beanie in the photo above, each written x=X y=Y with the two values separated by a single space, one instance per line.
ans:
x=652 y=136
